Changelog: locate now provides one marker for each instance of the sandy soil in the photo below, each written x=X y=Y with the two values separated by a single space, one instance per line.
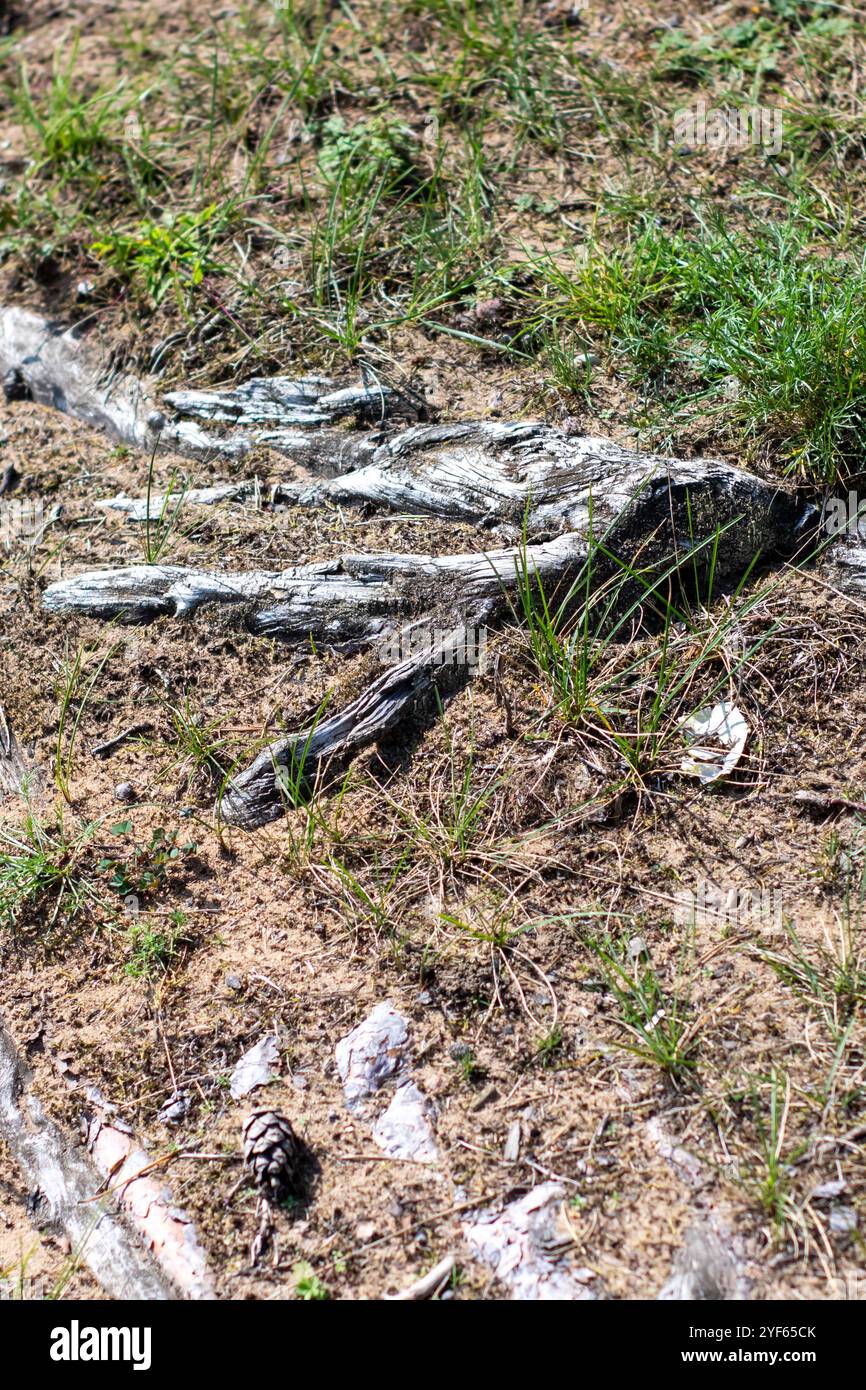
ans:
x=270 y=941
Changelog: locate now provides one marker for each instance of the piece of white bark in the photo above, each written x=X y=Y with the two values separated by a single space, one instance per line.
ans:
x=428 y=1285
x=66 y=1181
x=147 y=1200
x=645 y=510
x=374 y=1052
x=526 y=1246
x=255 y=1067
x=162 y=505
x=404 y=1130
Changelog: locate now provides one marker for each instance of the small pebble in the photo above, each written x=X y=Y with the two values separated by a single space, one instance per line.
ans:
x=826 y=1190
x=233 y=982
x=125 y=791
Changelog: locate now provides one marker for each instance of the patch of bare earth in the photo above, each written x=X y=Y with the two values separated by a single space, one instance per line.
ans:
x=492 y=949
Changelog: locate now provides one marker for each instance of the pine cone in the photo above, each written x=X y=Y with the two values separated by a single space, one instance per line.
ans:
x=272 y=1153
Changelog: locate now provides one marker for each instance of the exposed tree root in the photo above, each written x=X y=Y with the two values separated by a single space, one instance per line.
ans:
x=530 y=479
x=53 y=366
x=354 y=599
x=17 y=771
x=282 y=773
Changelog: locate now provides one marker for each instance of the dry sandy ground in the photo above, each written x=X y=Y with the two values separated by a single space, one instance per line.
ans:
x=265 y=912
x=504 y=1029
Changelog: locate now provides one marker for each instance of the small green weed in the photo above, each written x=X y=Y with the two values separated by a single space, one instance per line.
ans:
x=308 y=1286
x=153 y=949
x=173 y=254
x=144 y=870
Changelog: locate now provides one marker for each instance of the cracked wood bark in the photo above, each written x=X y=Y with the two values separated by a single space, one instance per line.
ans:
x=53 y=366
x=649 y=511
x=356 y=599
x=351 y=601
x=845 y=564
x=268 y=786
x=514 y=475
x=491 y=473
x=677 y=513
x=41 y=360
x=517 y=478
x=18 y=772
x=646 y=510
x=162 y=505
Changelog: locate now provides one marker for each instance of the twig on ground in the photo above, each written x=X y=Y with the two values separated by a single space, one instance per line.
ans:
x=429 y=1284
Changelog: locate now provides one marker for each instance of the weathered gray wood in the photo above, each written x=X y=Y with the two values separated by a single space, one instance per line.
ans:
x=159 y=506
x=290 y=765
x=356 y=598
x=291 y=416
x=845 y=564
x=495 y=474
x=535 y=477
x=18 y=773
x=537 y=480
x=47 y=362
x=282 y=402
x=706 y=1267
x=55 y=366
x=648 y=512
x=524 y=477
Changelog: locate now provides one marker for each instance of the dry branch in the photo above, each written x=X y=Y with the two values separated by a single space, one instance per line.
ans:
x=354 y=599
x=284 y=771
x=18 y=772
